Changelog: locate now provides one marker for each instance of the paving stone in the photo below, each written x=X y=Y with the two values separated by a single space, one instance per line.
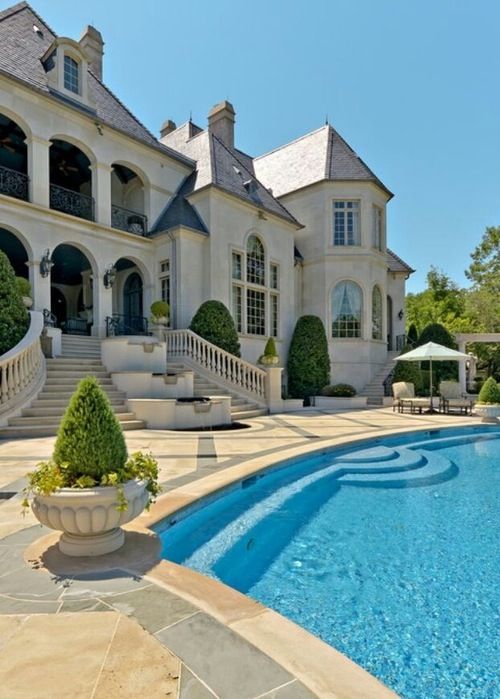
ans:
x=229 y=665
x=25 y=536
x=294 y=690
x=153 y=607
x=192 y=688
x=84 y=605
x=103 y=584
x=31 y=584
x=9 y=605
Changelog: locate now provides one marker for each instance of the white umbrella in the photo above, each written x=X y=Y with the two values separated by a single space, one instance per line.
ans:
x=429 y=353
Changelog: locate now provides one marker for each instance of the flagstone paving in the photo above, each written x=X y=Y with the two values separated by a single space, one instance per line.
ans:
x=73 y=628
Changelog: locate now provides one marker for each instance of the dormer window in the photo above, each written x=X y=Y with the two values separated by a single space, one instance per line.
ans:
x=71 y=75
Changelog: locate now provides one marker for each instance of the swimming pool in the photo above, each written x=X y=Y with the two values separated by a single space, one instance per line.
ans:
x=386 y=550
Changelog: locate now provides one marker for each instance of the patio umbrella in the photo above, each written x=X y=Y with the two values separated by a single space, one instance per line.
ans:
x=431 y=352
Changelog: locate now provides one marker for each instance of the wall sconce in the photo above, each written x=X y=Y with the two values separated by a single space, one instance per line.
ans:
x=109 y=276
x=46 y=263
x=401 y=314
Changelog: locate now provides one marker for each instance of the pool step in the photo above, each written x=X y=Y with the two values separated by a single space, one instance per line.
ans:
x=380 y=460
x=436 y=469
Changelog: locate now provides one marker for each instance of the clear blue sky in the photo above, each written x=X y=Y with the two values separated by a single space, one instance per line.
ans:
x=413 y=86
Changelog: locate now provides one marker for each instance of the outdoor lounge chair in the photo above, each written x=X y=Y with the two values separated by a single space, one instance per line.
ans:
x=453 y=398
x=404 y=397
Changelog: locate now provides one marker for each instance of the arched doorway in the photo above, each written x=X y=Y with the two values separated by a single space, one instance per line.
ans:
x=132 y=303
x=72 y=290
x=390 y=330
x=127 y=200
x=13 y=159
x=15 y=251
x=70 y=180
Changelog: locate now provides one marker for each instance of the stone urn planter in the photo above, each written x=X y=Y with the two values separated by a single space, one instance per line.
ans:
x=88 y=517
x=269 y=361
x=487 y=412
x=28 y=301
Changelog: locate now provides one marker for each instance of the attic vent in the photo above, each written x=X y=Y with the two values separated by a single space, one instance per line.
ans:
x=37 y=31
x=250 y=186
x=238 y=172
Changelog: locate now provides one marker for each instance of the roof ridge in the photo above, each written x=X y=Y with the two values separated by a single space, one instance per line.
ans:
x=334 y=131
x=290 y=143
x=14 y=9
x=398 y=259
x=329 y=152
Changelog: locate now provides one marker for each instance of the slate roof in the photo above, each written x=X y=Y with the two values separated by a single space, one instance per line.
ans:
x=318 y=156
x=179 y=212
x=224 y=167
x=21 y=49
x=396 y=264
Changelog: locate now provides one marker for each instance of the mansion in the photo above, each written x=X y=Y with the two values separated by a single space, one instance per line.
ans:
x=104 y=218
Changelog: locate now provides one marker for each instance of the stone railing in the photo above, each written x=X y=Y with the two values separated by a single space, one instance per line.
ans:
x=224 y=367
x=22 y=369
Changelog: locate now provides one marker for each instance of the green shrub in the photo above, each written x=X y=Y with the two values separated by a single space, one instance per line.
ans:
x=409 y=372
x=24 y=286
x=14 y=318
x=308 y=360
x=412 y=336
x=339 y=390
x=214 y=323
x=160 y=309
x=490 y=392
x=270 y=348
x=90 y=450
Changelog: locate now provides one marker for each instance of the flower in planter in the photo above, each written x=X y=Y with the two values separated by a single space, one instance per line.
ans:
x=160 y=312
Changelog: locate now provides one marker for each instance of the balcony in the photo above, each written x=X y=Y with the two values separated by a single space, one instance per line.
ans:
x=14 y=183
x=130 y=221
x=70 y=202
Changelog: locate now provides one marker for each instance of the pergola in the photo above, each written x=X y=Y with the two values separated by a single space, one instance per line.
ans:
x=462 y=340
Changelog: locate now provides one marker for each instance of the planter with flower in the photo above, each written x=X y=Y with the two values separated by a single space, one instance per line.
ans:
x=270 y=356
x=488 y=401
x=91 y=487
x=160 y=313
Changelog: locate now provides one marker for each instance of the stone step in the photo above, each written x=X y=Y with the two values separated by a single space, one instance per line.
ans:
x=78 y=374
x=247 y=414
x=42 y=402
x=22 y=432
x=58 y=411
x=70 y=362
x=74 y=381
x=56 y=419
x=59 y=392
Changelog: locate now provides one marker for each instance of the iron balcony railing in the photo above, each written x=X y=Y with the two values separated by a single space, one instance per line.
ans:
x=71 y=202
x=14 y=183
x=119 y=324
x=127 y=220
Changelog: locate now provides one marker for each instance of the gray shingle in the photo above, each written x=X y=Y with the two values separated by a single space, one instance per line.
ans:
x=396 y=264
x=179 y=212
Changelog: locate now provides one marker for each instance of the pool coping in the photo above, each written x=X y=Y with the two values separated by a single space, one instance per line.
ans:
x=319 y=666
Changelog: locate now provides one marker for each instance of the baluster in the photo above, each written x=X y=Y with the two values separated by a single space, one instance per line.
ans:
x=4 y=387
x=10 y=379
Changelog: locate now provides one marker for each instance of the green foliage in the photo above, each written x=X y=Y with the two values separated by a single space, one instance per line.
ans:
x=339 y=390
x=308 y=360
x=160 y=309
x=14 y=318
x=24 y=286
x=409 y=372
x=490 y=392
x=90 y=450
x=270 y=348
x=484 y=270
x=442 y=302
x=441 y=371
x=412 y=335
x=214 y=323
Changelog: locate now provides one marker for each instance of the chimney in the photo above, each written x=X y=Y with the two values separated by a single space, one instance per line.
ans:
x=93 y=47
x=221 y=122
x=167 y=127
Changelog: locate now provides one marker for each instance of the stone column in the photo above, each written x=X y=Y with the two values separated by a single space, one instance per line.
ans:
x=38 y=170
x=273 y=389
x=103 y=305
x=462 y=374
x=101 y=191
x=40 y=287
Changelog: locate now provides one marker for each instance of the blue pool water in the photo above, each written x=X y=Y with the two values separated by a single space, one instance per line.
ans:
x=388 y=552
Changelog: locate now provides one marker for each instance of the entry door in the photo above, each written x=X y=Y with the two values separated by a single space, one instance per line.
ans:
x=132 y=302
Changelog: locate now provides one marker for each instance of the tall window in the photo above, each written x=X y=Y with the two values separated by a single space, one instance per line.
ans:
x=255 y=290
x=346 y=228
x=377 y=227
x=347 y=307
x=71 y=75
x=165 y=281
x=376 y=313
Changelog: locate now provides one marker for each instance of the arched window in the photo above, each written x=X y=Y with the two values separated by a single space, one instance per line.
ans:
x=376 y=313
x=71 y=75
x=256 y=261
x=347 y=306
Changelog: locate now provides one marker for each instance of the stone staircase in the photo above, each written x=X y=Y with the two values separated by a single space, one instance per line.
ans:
x=81 y=358
x=374 y=391
x=241 y=408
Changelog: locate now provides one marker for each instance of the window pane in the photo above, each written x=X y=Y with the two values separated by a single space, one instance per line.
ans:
x=377 y=228
x=274 y=277
x=376 y=314
x=237 y=317
x=347 y=303
x=236 y=258
x=255 y=261
x=256 y=312
x=274 y=315
x=164 y=266
x=346 y=229
x=71 y=75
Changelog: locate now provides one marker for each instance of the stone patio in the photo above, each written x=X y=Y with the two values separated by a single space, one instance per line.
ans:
x=156 y=629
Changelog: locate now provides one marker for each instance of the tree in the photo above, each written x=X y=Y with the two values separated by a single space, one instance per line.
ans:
x=442 y=302
x=14 y=318
x=484 y=270
x=412 y=335
x=308 y=360
x=214 y=323
x=441 y=371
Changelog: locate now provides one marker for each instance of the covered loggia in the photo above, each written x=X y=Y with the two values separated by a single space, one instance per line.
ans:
x=70 y=180
x=127 y=200
x=18 y=256
x=13 y=159
x=128 y=300
x=71 y=290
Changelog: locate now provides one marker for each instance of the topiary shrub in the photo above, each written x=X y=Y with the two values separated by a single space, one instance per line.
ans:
x=14 y=318
x=339 y=390
x=24 y=286
x=214 y=323
x=308 y=361
x=412 y=336
x=270 y=348
x=490 y=392
x=160 y=309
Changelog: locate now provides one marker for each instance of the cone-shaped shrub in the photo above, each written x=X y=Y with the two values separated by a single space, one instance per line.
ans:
x=412 y=337
x=490 y=392
x=214 y=323
x=270 y=348
x=14 y=318
x=90 y=440
x=308 y=360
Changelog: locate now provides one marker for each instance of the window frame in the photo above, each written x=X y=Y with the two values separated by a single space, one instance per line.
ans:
x=165 y=277
x=347 y=332
x=345 y=233
x=378 y=228
x=377 y=335
x=69 y=71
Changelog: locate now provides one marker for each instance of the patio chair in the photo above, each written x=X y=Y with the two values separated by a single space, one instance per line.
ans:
x=404 y=397
x=453 y=398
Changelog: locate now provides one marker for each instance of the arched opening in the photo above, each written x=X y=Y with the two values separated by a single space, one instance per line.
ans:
x=376 y=313
x=13 y=159
x=390 y=330
x=16 y=252
x=347 y=310
x=70 y=180
x=128 y=300
x=127 y=200
x=72 y=290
